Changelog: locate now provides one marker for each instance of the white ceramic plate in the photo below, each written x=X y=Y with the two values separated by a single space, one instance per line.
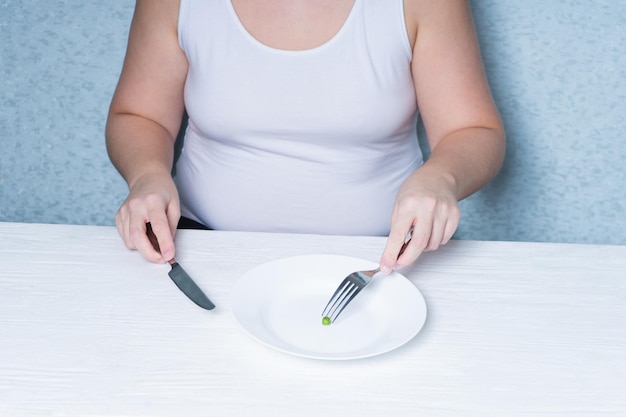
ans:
x=280 y=304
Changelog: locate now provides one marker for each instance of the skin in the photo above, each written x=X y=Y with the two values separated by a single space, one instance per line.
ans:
x=463 y=125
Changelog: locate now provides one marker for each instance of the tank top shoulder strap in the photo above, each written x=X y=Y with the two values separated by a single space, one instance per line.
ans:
x=201 y=20
x=386 y=25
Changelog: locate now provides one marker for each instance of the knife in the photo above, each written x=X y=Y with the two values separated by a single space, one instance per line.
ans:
x=181 y=278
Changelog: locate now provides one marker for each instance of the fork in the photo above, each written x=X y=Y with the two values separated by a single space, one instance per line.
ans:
x=348 y=289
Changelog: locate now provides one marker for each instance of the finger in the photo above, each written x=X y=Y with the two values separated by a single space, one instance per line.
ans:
x=173 y=216
x=161 y=228
x=138 y=235
x=436 y=234
x=121 y=223
x=419 y=240
x=451 y=225
x=396 y=239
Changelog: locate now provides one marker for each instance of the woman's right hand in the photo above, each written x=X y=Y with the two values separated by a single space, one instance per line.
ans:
x=152 y=199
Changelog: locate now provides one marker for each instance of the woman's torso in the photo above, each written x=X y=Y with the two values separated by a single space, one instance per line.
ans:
x=314 y=140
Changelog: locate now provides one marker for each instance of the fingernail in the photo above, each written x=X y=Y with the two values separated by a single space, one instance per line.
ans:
x=385 y=269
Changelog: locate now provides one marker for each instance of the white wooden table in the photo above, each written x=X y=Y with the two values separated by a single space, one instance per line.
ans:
x=88 y=328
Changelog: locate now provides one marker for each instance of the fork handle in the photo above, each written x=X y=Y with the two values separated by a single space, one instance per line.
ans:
x=404 y=247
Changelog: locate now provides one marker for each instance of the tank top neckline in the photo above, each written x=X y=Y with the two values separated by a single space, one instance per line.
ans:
x=344 y=28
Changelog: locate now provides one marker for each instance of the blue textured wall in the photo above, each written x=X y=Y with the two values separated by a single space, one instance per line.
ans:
x=59 y=63
x=557 y=70
x=558 y=73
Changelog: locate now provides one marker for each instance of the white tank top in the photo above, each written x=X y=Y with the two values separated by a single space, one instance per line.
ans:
x=313 y=141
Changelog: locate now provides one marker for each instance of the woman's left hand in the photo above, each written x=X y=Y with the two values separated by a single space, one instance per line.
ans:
x=427 y=208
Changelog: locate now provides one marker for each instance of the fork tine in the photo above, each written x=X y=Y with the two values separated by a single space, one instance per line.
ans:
x=336 y=296
x=345 y=301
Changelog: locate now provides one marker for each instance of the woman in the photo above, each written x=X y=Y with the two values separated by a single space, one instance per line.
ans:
x=302 y=118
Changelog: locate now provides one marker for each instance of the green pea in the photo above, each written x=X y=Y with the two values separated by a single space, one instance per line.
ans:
x=326 y=321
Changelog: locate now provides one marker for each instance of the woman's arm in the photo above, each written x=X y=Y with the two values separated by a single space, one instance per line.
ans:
x=142 y=125
x=464 y=129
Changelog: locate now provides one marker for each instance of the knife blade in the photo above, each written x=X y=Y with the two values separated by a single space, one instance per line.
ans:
x=181 y=278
